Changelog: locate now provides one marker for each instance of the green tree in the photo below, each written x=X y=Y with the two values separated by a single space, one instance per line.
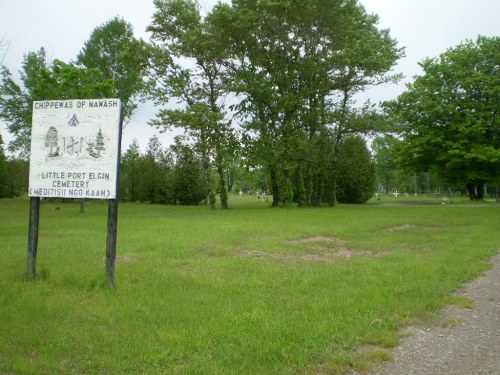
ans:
x=130 y=173
x=449 y=116
x=189 y=182
x=13 y=177
x=356 y=171
x=3 y=172
x=385 y=156
x=152 y=176
x=298 y=65
x=120 y=57
x=43 y=81
x=181 y=33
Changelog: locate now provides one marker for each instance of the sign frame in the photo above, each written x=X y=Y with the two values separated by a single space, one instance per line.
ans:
x=74 y=148
x=55 y=171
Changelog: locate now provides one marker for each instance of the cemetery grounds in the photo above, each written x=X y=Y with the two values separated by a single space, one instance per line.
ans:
x=249 y=290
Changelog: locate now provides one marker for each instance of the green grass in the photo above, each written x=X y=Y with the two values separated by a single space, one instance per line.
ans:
x=249 y=290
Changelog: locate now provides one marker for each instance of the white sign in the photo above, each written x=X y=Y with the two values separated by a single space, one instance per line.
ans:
x=75 y=148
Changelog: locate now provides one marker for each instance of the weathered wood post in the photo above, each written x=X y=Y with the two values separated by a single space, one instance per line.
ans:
x=113 y=217
x=34 y=220
x=111 y=242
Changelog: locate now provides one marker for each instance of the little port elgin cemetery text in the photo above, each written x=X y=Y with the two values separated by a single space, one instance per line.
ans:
x=75 y=153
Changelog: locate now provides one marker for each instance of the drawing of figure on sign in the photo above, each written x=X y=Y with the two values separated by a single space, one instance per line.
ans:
x=71 y=147
x=52 y=141
x=73 y=121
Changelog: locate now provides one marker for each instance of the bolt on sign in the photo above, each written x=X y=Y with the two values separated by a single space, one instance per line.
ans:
x=75 y=148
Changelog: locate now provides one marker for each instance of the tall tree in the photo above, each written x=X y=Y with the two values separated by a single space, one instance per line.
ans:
x=385 y=156
x=120 y=57
x=152 y=176
x=356 y=171
x=298 y=65
x=130 y=174
x=3 y=170
x=189 y=183
x=449 y=116
x=182 y=34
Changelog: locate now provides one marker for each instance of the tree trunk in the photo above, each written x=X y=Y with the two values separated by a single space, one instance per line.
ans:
x=286 y=189
x=338 y=136
x=475 y=190
x=222 y=183
x=274 y=188
x=309 y=185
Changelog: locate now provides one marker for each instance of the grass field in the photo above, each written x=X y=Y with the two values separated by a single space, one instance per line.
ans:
x=249 y=290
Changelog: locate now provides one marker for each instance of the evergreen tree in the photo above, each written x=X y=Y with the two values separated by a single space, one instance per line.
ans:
x=130 y=173
x=189 y=183
x=99 y=143
x=3 y=172
x=356 y=171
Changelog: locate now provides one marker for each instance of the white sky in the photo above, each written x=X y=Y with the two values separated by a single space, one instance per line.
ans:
x=425 y=27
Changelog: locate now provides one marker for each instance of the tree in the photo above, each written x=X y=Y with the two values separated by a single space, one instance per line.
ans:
x=13 y=175
x=3 y=170
x=43 y=81
x=120 y=57
x=181 y=33
x=189 y=183
x=385 y=156
x=99 y=143
x=298 y=65
x=449 y=116
x=356 y=171
x=130 y=173
x=152 y=177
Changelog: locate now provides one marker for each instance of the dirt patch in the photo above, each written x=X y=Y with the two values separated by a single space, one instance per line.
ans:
x=397 y=228
x=330 y=255
x=314 y=239
x=122 y=259
x=316 y=248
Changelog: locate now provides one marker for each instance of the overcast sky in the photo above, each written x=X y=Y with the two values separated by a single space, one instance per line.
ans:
x=426 y=28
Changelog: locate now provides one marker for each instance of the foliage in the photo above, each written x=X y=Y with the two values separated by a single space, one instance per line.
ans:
x=130 y=173
x=13 y=177
x=449 y=116
x=356 y=171
x=120 y=57
x=386 y=162
x=297 y=66
x=189 y=186
x=162 y=176
x=289 y=70
x=182 y=36
x=41 y=81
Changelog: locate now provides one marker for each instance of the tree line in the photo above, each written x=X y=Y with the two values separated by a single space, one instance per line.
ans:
x=175 y=175
x=268 y=89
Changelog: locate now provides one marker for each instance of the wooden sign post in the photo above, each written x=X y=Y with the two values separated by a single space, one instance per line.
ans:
x=75 y=154
x=113 y=221
x=33 y=235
